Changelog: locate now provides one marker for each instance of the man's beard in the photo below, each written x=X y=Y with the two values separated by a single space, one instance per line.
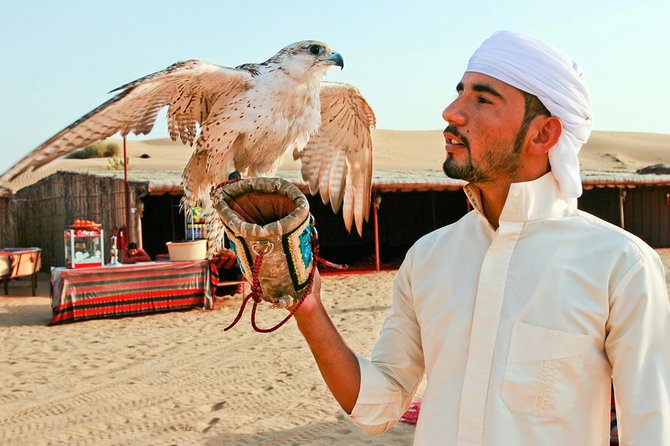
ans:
x=495 y=165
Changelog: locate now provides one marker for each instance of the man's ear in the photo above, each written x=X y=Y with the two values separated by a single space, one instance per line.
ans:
x=548 y=130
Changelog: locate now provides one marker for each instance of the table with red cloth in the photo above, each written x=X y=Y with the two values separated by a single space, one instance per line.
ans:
x=126 y=290
x=226 y=275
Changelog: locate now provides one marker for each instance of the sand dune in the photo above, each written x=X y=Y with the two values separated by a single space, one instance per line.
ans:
x=393 y=150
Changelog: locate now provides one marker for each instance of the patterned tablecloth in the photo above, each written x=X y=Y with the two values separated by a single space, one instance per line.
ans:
x=113 y=291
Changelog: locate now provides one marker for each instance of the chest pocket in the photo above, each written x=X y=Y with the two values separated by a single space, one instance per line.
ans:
x=544 y=369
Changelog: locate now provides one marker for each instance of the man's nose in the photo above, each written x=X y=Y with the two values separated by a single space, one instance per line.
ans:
x=454 y=114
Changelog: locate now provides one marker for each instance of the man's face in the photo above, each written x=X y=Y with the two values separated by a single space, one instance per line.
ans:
x=483 y=140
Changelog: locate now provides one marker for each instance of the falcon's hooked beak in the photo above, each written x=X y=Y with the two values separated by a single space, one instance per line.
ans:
x=336 y=59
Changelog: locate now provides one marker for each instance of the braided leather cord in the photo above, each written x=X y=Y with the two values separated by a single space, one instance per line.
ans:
x=256 y=291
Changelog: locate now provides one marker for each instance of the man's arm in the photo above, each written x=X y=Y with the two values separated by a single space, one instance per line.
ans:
x=337 y=363
x=638 y=348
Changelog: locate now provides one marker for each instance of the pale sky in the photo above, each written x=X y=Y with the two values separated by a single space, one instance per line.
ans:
x=60 y=58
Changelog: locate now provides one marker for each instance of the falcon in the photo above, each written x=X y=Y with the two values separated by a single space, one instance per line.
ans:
x=242 y=121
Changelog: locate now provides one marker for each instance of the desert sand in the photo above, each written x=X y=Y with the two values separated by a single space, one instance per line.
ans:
x=177 y=378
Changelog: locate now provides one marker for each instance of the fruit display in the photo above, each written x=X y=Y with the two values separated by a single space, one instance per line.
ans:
x=85 y=224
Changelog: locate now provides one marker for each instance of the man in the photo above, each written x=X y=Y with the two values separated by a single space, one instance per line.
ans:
x=523 y=313
x=135 y=254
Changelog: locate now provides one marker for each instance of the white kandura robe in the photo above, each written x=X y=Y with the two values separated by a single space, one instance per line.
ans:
x=522 y=330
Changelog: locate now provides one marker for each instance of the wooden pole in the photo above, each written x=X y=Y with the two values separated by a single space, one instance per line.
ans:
x=622 y=198
x=127 y=190
x=375 y=204
x=138 y=219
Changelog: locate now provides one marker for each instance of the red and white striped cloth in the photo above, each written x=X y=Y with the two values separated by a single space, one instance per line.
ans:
x=113 y=291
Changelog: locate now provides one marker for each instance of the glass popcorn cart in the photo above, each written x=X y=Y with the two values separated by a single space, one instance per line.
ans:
x=84 y=247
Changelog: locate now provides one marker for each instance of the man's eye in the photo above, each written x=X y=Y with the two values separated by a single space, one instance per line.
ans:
x=483 y=100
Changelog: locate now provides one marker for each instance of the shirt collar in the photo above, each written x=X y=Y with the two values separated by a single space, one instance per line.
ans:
x=530 y=200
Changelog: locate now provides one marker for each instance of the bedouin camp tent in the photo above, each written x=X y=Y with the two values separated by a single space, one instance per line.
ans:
x=405 y=206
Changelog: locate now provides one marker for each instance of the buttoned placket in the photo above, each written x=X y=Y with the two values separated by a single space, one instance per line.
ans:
x=485 y=321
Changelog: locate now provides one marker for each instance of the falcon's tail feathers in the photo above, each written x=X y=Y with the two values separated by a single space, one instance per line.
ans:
x=215 y=234
x=195 y=178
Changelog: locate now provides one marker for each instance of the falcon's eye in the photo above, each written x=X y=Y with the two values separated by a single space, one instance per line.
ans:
x=315 y=49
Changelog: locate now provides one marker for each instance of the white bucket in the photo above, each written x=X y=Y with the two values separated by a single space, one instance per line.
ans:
x=190 y=250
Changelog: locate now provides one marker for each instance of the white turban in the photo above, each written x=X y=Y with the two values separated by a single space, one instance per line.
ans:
x=536 y=68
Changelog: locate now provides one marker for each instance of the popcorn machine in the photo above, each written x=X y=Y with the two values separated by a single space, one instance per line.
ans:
x=84 y=245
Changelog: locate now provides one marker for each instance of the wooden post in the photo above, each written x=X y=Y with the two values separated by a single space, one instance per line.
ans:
x=127 y=189
x=138 y=220
x=622 y=198
x=377 y=199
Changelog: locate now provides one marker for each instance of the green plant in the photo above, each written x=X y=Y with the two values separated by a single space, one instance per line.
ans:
x=85 y=153
x=97 y=150
x=116 y=163
x=112 y=149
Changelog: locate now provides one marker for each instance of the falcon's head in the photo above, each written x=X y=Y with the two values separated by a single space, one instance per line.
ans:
x=307 y=58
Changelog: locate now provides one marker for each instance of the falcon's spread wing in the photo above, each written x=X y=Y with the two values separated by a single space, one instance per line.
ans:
x=244 y=119
x=189 y=89
x=337 y=161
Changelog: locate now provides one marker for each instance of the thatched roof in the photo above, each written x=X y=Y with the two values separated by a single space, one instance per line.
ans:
x=611 y=179
x=169 y=182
